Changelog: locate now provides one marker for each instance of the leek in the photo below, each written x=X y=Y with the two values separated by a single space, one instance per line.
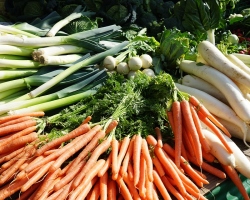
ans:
x=92 y=60
x=15 y=50
x=56 y=40
x=16 y=73
x=15 y=31
x=20 y=64
x=59 y=60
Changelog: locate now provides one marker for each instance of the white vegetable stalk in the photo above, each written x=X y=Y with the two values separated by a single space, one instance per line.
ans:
x=19 y=64
x=239 y=63
x=54 y=104
x=59 y=60
x=7 y=93
x=13 y=74
x=15 y=31
x=243 y=57
x=60 y=24
x=92 y=60
x=58 y=50
x=227 y=87
x=15 y=50
x=56 y=40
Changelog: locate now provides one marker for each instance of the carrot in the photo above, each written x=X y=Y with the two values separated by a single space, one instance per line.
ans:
x=151 y=140
x=149 y=163
x=112 y=189
x=158 y=166
x=111 y=126
x=64 y=170
x=15 y=121
x=201 y=108
x=160 y=186
x=216 y=131
x=18 y=142
x=11 y=159
x=121 y=154
x=123 y=188
x=192 y=192
x=86 y=179
x=105 y=166
x=87 y=120
x=65 y=191
x=149 y=188
x=131 y=188
x=104 y=186
x=17 y=127
x=19 y=134
x=95 y=193
x=40 y=173
x=171 y=188
x=127 y=157
x=177 y=130
x=166 y=163
x=185 y=165
x=99 y=150
x=188 y=142
x=25 y=195
x=155 y=194
x=76 y=132
x=170 y=118
x=11 y=117
x=136 y=158
x=233 y=175
x=114 y=152
x=208 y=157
x=56 y=194
x=159 y=137
x=69 y=176
x=97 y=134
x=141 y=184
x=197 y=123
x=189 y=124
x=130 y=171
x=184 y=152
x=50 y=177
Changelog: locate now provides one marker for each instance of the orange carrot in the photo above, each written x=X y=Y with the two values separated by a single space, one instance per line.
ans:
x=18 y=142
x=17 y=127
x=208 y=157
x=121 y=154
x=105 y=166
x=151 y=140
x=99 y=150
x=165 y=161
x=149 y=188
x=127 y=157
x=158 y=166
x=28 y=193
x=86 y=179
x=65 y=191
x=202 y=109
x=95 y=193
x=73 y=134
x=188 y=142
x=136 y=158
x=132 y=189
x=9 y=157
x=141 y=184
x=123 y=188
x=69 y=176
x=184 y=152
x=216 y=131
x=19 y=134
x=189 y=124
x=155 y=194
x=130 y=171
x=104 y=186
x=171 y=188
x=159 y=137
x=111 y=126
x=97 y=134
x=40 y=173
x=160 y=186
x=233 y=175
x=177 y=117
x=197 y=123
x=16 y=121
x=170 y=118
x=11 y=117
x=112 y=189
x=87 y=120
x=114 y=152
x=149 y=163
x=86 y=189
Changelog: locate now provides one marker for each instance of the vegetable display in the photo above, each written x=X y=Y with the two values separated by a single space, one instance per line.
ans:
x=123 y=99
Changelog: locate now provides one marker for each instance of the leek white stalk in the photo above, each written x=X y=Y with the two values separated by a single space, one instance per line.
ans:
x=15 y=50
x=19 y=64
x=7 y=93
x=15 y=31
x=92 y=60
x=58 y=50
x=54 y=104
x=59 y=60
x=16 y=73
x=56 y=40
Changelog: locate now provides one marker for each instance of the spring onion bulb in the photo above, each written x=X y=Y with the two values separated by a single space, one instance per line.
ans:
x=146 y=61
x=15 y=50
x=59 y=60
x=58 y=103
x=109 y=62
x=15 y=31
x=56 y=40
x=89 y=61
x=135 y=63
x=58 y=50
x=122 y=68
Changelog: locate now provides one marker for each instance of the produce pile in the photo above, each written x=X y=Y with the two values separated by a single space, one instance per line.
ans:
x=114 y=110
